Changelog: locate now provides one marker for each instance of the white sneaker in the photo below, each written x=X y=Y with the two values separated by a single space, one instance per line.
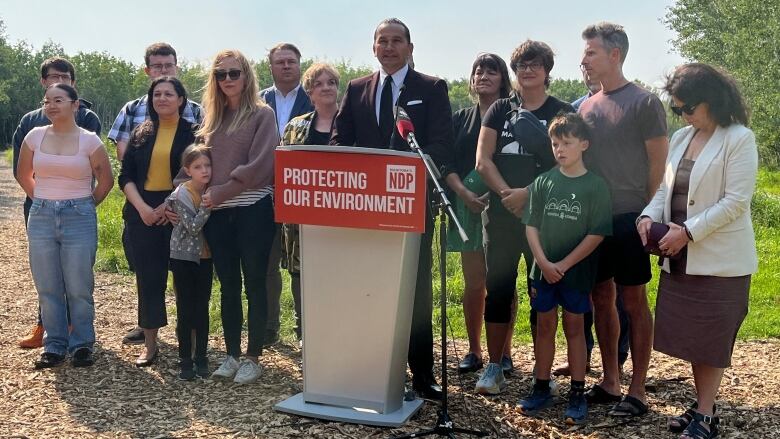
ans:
x=492 y=381
x=226 y=370
x=248 y=372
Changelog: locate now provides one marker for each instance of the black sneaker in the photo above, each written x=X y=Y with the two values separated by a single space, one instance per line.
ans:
x=202 y=368
x=270 y=339
x=186 y=370
x=82 y=358
x=49 y=359
x=135 y=336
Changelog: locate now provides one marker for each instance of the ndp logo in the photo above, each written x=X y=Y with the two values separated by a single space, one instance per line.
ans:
x=400 y=178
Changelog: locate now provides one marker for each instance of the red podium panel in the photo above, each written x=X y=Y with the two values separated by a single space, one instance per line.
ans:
x=350 y=187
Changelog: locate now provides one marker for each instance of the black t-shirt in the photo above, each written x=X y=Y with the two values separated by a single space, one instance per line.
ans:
x=318 y=137
x=466 y=124
x=519 y=164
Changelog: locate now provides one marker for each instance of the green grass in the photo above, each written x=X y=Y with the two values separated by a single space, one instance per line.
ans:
x=763 y=320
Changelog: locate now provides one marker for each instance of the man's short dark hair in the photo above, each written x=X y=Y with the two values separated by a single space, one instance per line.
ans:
x=393 y=20
x=159 y=49
x=59 y=64
x=531 y=50
x=612 y=35
x=569 y=124
x=283 y=46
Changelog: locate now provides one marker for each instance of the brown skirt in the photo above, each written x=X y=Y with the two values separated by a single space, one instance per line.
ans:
x=697 y=317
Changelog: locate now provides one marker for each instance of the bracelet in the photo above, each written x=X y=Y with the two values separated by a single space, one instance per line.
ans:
x=688 y=232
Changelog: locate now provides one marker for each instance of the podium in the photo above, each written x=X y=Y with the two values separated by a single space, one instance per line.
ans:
x=361 y=212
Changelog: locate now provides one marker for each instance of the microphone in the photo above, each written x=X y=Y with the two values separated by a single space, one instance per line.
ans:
x=406 y=129
x=404 y=124
x=395 y=114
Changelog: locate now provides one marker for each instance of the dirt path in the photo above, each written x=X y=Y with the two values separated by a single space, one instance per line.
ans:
x=116 y=399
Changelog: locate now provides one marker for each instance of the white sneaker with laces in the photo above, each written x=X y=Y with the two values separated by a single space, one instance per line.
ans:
x=248 y=372
x=492 y=381
x=227 y=370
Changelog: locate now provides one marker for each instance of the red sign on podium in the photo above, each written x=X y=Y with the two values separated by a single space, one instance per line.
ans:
x=341 y=187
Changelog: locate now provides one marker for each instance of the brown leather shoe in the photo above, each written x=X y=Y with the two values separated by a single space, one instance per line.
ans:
x=34 y=340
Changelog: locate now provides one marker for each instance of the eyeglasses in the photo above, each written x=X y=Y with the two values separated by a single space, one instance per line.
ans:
x=221 y=75
x=532 y=66
x=58 y=76
x=687 y=109
x=56 y=101
x=162 y=67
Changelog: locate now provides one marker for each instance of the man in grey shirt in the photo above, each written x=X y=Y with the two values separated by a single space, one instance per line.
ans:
x=628 y=150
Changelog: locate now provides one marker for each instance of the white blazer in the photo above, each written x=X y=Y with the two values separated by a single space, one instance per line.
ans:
x=721 y=186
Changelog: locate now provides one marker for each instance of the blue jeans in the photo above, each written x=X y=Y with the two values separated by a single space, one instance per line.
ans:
x=62 y=235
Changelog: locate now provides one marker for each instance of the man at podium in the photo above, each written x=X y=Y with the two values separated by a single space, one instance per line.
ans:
x=366 y=119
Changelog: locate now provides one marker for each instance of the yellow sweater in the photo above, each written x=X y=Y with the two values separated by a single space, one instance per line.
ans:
x=159 y=177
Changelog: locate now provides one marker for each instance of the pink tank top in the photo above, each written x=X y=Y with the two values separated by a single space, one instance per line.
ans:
x=62 y=177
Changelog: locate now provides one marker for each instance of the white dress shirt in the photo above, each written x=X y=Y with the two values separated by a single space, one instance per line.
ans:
x=284 y=106
x=398 y=79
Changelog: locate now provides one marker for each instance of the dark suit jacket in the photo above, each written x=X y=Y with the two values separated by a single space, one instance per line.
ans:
x=426 y=101
x=302 y=104
x=135 y=163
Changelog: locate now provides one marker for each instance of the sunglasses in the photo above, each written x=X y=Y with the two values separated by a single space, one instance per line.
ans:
x=221 y=75
x=687 y=109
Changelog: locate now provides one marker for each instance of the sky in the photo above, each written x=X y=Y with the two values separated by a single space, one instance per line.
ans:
x=447 y=35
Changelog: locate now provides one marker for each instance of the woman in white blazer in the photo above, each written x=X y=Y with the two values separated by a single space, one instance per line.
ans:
x=705 y=199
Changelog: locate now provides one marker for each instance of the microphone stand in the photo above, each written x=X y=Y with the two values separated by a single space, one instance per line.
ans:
x=444 y=425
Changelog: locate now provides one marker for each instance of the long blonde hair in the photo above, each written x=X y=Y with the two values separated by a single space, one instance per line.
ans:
x=214 y=101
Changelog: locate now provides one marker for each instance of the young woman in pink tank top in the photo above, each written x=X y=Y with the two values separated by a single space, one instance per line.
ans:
x=56 y=168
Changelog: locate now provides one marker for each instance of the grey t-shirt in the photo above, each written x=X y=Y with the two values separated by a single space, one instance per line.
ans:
x=621 y=121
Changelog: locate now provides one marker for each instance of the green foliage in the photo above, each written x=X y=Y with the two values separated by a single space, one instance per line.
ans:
x=742 y=37
x=567 y=90
x=459 y=94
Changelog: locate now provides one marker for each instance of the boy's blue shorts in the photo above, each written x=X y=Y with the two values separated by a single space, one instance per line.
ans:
x=548 y=296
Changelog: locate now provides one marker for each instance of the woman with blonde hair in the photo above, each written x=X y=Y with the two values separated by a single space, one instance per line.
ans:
x=241 y=131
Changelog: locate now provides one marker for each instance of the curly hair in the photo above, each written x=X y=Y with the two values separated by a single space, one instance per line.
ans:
x=695 y=83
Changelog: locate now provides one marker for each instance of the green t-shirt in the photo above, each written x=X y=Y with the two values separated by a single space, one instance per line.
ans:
x=565 y=210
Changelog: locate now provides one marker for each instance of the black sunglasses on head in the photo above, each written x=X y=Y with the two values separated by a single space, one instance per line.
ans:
x=687 y=109
x=221 y=75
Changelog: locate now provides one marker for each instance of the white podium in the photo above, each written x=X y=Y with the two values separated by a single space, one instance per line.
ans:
x=359 y=263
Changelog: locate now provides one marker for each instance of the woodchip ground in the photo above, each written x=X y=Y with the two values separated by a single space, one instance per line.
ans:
x=115 y=399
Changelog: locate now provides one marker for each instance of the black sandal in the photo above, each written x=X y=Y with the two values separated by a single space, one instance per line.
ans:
x=696 y=430
x=677 y=424
x=628 y=407
x=597 y=395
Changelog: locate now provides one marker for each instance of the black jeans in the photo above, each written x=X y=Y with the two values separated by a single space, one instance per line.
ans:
x=240 y=240
x=506 y=242
x=192 y=283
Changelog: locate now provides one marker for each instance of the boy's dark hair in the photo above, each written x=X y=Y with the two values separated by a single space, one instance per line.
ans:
x=569 y=124
x=160 y=49
x=194 y=152
x=59 y=64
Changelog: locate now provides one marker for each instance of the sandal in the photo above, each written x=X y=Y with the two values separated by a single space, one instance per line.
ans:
x=628 y=407
x=597 y=395
x=677 y=424
x=696 y=430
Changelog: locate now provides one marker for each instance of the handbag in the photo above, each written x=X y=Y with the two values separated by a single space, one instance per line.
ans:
x=656 y=232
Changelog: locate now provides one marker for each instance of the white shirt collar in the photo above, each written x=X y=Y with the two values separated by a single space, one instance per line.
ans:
x=398 y=77
x=293 y=92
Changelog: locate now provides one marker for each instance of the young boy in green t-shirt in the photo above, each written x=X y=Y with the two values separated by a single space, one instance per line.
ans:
x=568 y=215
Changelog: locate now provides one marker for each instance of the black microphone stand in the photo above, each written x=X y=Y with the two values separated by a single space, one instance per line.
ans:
x=444 y=425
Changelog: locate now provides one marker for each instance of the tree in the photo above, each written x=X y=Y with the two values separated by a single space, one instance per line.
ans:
x=567 y=90
x=743 y=37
